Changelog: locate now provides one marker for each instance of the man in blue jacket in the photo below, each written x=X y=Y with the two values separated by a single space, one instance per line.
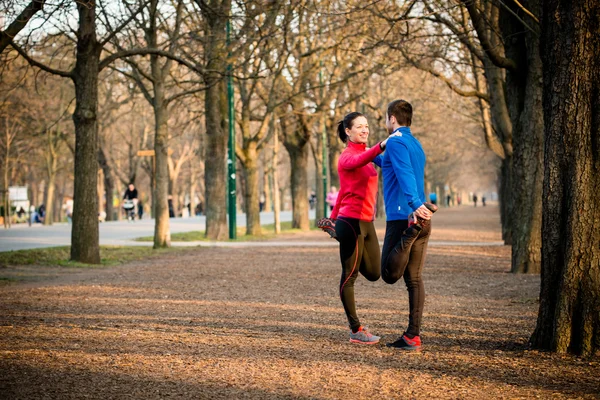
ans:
x=408 y=216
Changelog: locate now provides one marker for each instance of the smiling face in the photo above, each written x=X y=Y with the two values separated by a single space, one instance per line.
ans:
x=359 y=131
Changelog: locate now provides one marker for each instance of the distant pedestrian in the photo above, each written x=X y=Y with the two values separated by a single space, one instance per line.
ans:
x=483 y=201
x=332 y=197
x=171 y=207
x=312 y=200
x=433 y=198
x=261 y=201
x=475 y=200
x=448 y=198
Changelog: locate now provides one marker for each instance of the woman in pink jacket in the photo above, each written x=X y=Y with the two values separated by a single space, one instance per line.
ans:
x=353 y=215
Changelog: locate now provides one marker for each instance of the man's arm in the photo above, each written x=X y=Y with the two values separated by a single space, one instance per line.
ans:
x=400 y=158
x=378 y=160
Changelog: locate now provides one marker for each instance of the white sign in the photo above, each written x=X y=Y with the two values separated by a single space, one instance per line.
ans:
x=18 y=193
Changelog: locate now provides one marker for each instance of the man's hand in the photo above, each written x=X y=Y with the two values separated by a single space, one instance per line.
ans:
x=423 y=213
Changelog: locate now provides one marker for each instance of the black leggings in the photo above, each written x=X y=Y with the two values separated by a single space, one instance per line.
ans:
x=359 y=252
x=392 y=270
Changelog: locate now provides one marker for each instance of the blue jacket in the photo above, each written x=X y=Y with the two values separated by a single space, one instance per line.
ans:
x=403 y=169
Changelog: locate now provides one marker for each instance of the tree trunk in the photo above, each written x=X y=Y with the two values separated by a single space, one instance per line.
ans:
x=5 y=192
x=174 y=190
x=299 y=182
x=109 y=184
x=265 y=189
x=215 y=102
x=49 y=192
x=334 y=156
x=569 y=314
x=85 y=245
x=504 y=196
x=215 y=175
x=275 y=177
x=320 y=192
x=162 y=234
x=251 y=195
x=524 y=101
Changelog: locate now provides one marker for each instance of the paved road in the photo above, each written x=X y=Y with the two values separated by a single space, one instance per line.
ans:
x=22 y=236
x=122 y=233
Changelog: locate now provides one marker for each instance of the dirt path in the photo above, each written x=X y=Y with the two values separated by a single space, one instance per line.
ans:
x=266 y=323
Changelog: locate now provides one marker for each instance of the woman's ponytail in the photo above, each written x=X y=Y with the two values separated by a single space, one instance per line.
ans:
x=341 y=131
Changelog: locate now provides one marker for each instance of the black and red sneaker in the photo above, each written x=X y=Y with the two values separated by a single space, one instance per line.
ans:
x=327 y=226
x=406 y=343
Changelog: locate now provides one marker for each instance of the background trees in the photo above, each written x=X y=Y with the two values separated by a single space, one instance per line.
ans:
x=151 y=75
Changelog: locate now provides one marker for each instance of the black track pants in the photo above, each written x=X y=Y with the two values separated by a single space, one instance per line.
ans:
x=359 y=252
x=392 y=270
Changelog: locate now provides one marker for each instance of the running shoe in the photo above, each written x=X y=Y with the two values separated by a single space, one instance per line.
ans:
x=327 y=226
x=406 y=343
x=363 y=336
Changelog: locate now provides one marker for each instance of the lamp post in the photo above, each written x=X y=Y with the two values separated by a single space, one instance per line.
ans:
x=324 y=140
x=231 y=153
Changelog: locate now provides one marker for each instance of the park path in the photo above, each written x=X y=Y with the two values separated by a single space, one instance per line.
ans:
x=266 y=323
x=115 y=233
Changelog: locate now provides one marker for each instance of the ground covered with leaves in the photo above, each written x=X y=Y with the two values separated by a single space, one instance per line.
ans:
x=267 y=323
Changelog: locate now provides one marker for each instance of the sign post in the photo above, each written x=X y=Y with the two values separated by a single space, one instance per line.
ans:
x=231 y=150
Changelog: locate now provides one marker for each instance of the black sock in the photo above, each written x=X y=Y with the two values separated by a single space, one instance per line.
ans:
x=410 y=335
x=354 y=330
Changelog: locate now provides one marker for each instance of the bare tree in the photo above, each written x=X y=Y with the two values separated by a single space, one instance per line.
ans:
x=569 y=313
x=502 y=41
x=84 y=74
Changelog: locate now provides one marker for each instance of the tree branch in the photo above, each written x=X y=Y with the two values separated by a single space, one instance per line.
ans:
x=145 y=51
x=123 y=25
x=490 y=50
x=38 y=64
x=18 y=24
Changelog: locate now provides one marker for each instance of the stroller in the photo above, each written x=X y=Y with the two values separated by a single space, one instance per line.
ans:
x=129 y=207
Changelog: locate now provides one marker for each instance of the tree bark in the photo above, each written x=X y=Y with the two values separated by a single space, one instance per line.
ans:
x=51 y=169
x=251 y=195
x=295 y=140
x=524 y=101
x=162 y=234
x=504 y=194
x=109 y=184
x=216 y=172
x=319 y=192
x=503 y=126
x=216 y=121
x=275 y=178
x=84 y=234
x=569 y=313
x=299 y=182
x=49 y=195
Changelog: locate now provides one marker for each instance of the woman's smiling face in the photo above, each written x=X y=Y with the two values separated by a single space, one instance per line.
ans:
x=359 y=132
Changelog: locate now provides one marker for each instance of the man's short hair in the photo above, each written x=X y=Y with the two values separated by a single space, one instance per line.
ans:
x=402 y=111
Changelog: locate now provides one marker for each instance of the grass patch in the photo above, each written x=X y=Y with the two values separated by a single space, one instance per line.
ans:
x=268 y=232
x=59 y=256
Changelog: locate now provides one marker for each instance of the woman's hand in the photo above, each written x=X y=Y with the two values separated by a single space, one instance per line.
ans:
x=383 y=143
